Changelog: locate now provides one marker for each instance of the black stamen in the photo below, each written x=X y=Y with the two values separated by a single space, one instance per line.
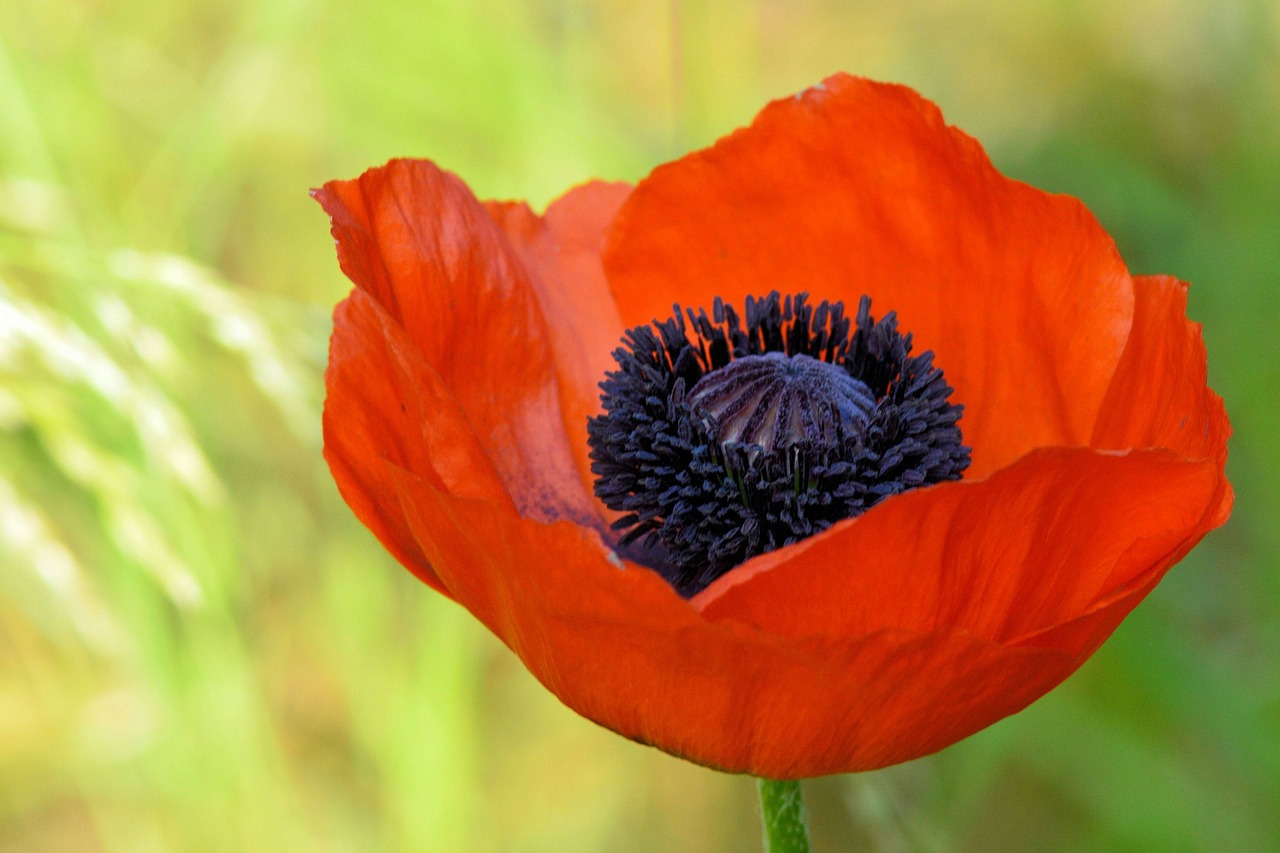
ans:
x=723 y=439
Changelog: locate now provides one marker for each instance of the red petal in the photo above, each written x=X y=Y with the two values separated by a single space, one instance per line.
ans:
x=1035 y=545
x=855 y=187
x=618 y=646
x=415 y=239
x=1159 y=396
x=562 y=252
x=385 y=405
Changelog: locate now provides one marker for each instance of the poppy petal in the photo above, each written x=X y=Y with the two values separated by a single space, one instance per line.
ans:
x=617 y=645
x=415 y=239
x=1034 y=545
x=855 y=187
x=1159 y=396
x=384 y=404
x=561 y=249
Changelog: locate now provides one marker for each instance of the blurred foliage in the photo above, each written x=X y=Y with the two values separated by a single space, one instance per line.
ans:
x=201 y=650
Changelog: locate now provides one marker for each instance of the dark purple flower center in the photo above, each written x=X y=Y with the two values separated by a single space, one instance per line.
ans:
x=776 y=400
x=723 y=437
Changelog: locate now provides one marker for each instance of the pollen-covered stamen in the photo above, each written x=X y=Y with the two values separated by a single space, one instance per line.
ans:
x=726 y=435
x=777 y=400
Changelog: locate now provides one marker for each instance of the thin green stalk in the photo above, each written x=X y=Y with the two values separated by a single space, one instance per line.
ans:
x=786 y=821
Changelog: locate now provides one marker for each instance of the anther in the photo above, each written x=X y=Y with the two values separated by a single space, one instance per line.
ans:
x=729 y=435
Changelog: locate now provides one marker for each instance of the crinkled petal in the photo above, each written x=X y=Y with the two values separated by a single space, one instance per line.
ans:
x=1033 y=546
x=561 y=249
x=1159 y=396
x=386 y=405
x=855 y=187
x=617 y=645
x=416 y=240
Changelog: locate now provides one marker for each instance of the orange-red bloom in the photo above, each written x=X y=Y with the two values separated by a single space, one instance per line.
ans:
x=464 y=365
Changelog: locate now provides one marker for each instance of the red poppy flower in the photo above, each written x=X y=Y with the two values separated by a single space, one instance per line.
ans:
x=466 y=363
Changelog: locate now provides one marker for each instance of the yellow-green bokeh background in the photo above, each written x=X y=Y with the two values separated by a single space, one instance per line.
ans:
x=200 y=649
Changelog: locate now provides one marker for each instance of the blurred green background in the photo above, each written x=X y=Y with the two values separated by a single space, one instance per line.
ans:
x=200 y=648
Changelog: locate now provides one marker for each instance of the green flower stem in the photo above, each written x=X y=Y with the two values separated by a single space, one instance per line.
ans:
x=786 y=821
